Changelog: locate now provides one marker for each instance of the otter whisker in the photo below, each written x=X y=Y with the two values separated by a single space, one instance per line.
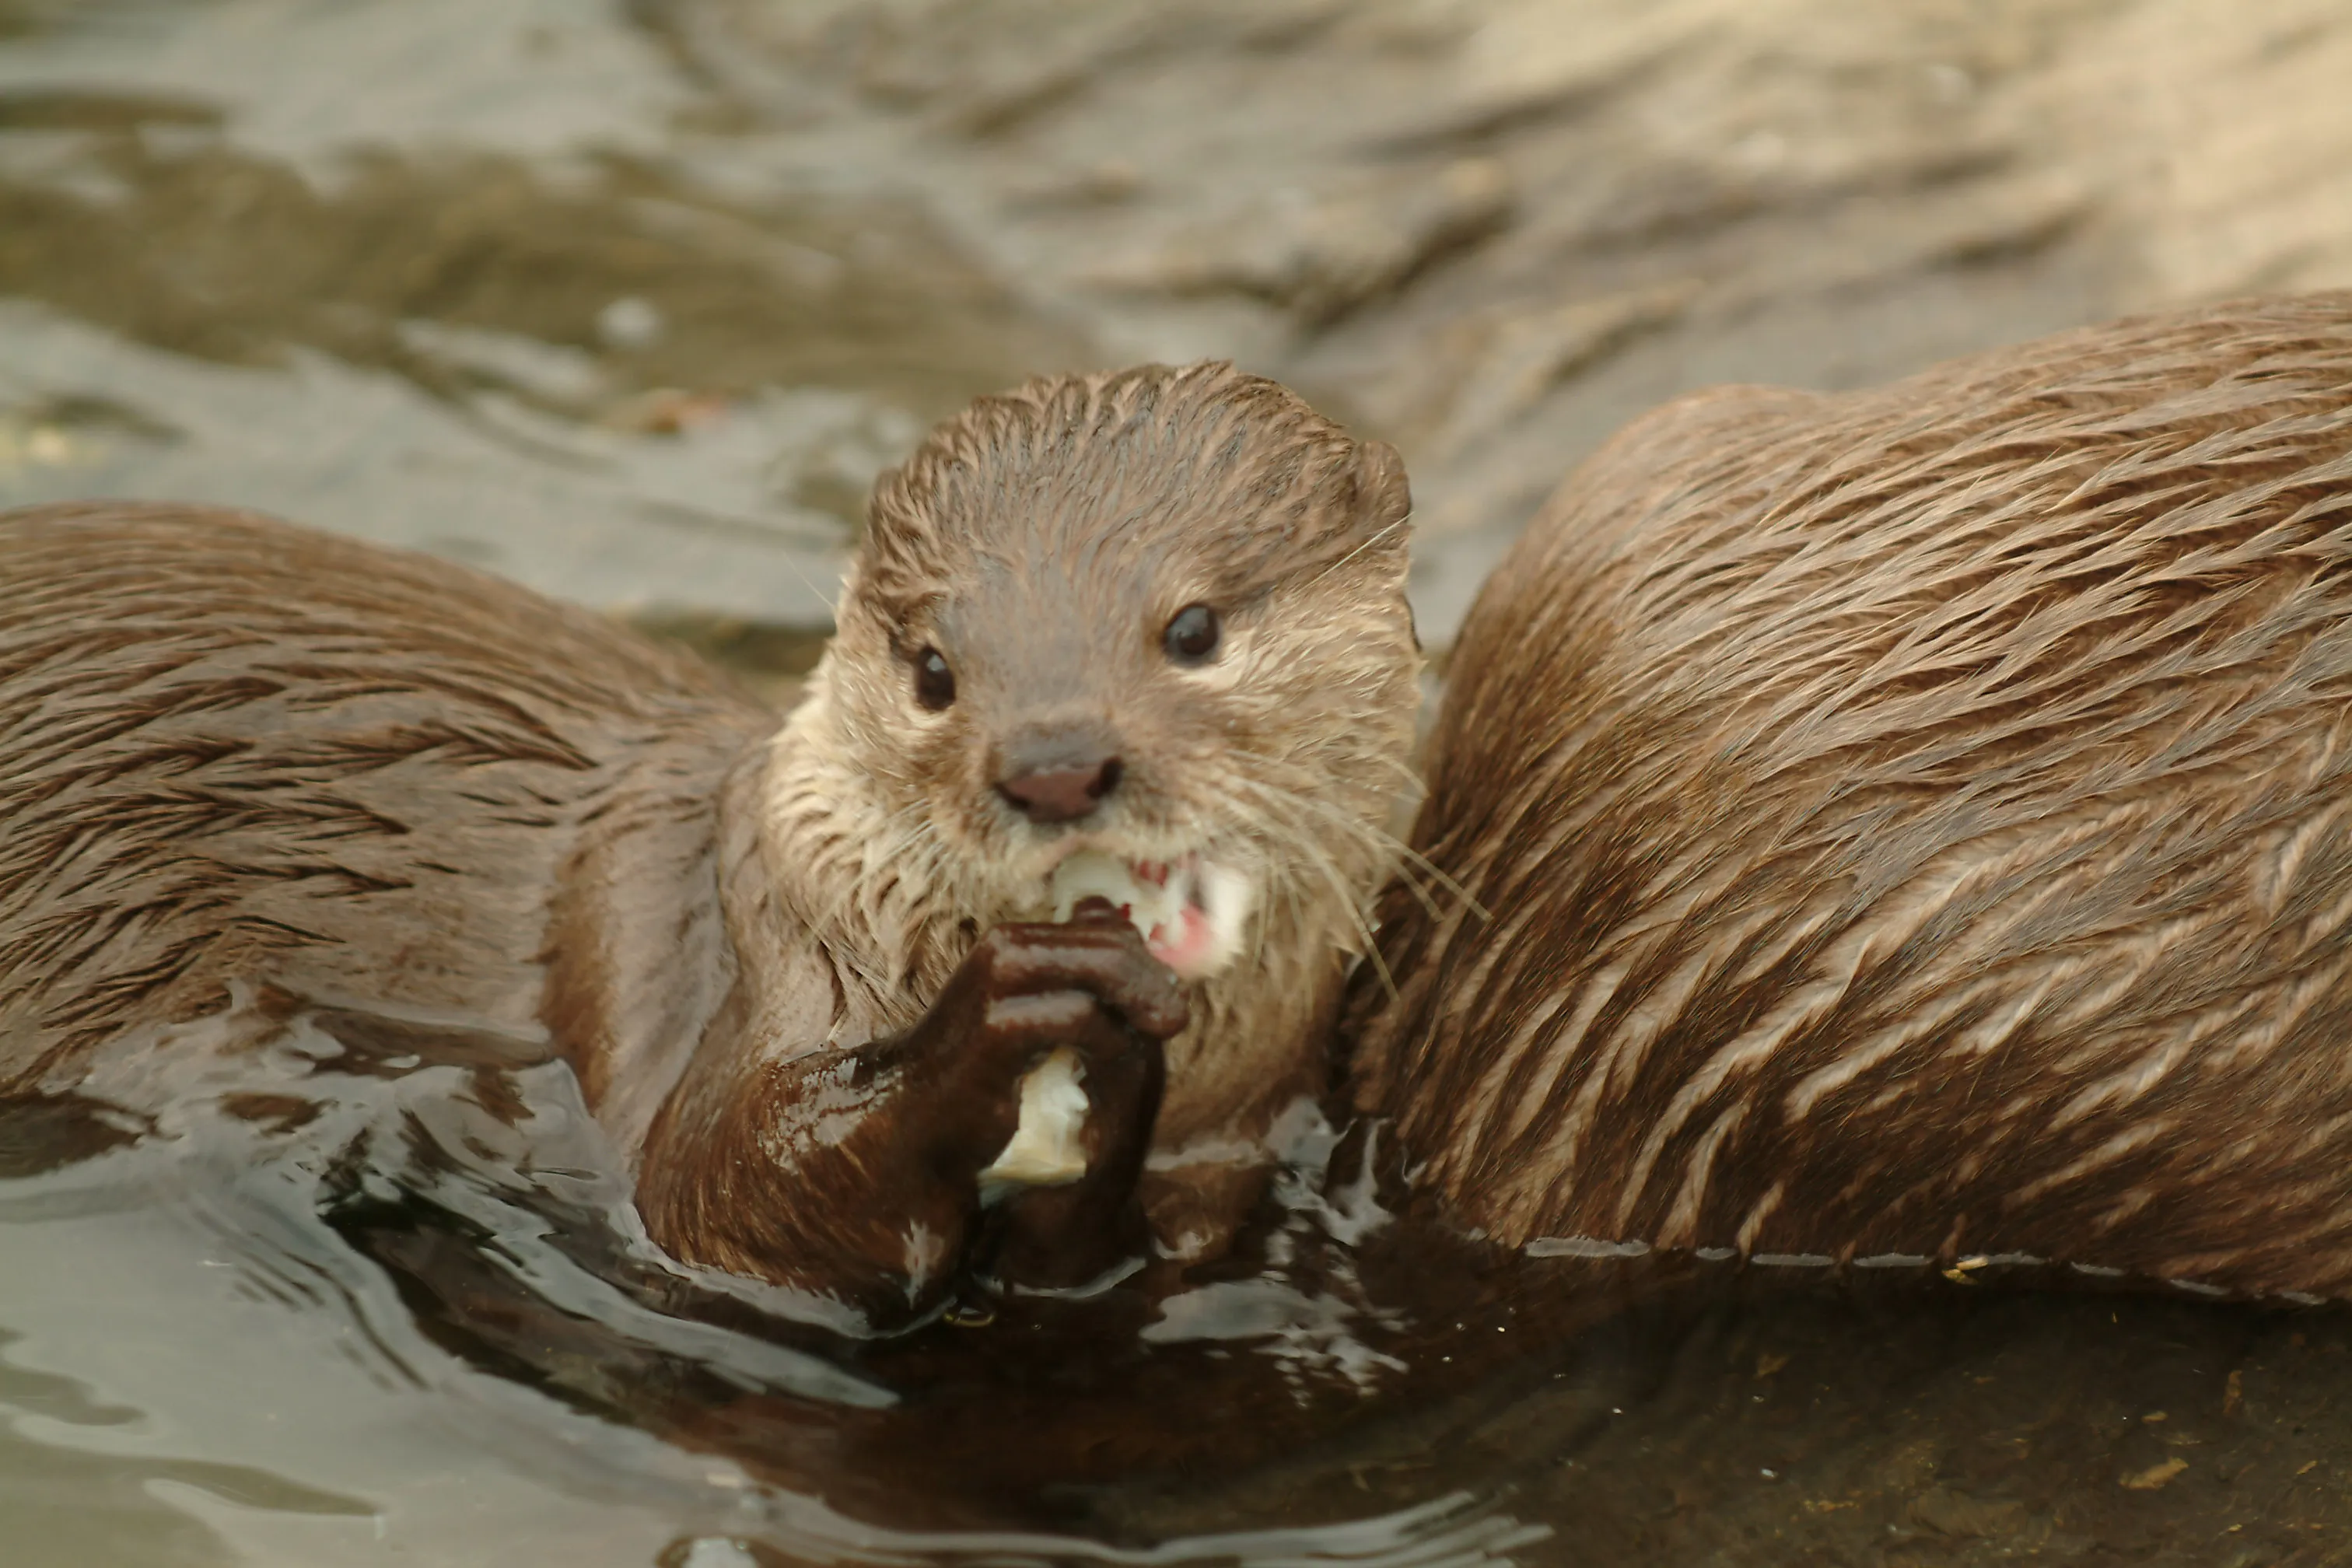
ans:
x=1359 y=915
x=1389 y=844
x=1444 y=878
x=885 y=889
x=1348 y=895
x=1399 y=526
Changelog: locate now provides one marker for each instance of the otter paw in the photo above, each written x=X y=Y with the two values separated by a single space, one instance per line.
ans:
x=1050 y=1145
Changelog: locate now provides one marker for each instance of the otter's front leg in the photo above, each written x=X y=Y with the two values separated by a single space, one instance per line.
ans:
x=1068 y=1233
x=855 y=1171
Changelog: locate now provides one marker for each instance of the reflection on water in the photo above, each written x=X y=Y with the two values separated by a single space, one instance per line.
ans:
x=519 y=282
x=337 y=1302
x=64 y=1503
x=405 y=1304
x=593 y=372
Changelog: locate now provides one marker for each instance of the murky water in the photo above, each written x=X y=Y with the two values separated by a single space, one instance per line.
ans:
x=623 y=301
x=339 y=1307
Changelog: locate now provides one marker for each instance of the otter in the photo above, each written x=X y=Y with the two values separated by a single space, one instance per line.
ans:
x=1912 y=823
x=1140 y=635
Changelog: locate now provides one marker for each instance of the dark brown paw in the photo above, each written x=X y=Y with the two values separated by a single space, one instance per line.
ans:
x=1049 y=978
x=1024 y=992
x=1088 y=987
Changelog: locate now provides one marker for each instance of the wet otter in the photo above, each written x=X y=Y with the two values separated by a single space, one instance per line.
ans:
x=1149 y=623
x=1911 y=822
x=1914 y=821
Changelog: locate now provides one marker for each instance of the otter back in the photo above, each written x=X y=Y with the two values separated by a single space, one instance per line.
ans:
x=231 y=749
x=1915 y=821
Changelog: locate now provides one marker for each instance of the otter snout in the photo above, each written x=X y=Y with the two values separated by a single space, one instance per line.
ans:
x=1058 y=772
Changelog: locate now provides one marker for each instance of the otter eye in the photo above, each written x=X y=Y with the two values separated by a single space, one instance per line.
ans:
x=934 y=681
x=1192 y=636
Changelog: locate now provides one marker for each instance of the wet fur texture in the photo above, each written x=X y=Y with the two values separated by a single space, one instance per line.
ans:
x=1042 y=541
x=242 y=758
x=236 y=750
x=1915 y=821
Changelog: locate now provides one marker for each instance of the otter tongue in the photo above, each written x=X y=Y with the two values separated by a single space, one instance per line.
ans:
x=1187 y=945
x=1155 y=898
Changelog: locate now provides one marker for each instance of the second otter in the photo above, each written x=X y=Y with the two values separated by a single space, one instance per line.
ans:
x=1916 y=823
x=1142 y=632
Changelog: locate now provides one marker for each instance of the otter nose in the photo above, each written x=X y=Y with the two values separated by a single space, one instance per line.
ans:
x=1060 y=795
x=1058 y=776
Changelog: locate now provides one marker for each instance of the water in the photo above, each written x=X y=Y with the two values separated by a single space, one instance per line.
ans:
x=628 y=302
x=456 y=305
x=337 y=1307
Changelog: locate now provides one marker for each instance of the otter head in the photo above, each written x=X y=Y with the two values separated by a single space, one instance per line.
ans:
x=1145 y=626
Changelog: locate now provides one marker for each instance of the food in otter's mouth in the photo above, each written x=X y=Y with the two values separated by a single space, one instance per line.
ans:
x=1191 y=915
x=1190 y=912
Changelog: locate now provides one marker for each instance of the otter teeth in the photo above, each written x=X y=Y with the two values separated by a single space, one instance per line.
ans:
x=1190 y=912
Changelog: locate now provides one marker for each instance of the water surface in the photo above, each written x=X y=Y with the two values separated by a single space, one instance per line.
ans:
x=629 y=303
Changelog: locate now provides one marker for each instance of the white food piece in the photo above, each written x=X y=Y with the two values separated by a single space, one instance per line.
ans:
x=1192 y=918
x=1044 y=1151
x=1091 y=874
x=1225 y=896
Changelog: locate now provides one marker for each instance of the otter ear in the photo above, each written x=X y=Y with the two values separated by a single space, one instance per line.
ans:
x=1383 y=499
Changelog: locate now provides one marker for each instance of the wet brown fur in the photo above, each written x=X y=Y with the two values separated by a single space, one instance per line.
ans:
x=233 y=751
x=1124 y=497
x=1915 y=821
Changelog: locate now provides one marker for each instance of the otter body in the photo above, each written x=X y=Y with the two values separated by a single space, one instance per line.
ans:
x=1917 y=821
x=231 y=750
x=802 y=968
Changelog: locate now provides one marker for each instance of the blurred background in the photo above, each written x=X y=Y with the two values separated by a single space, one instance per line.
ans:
x=628 y=299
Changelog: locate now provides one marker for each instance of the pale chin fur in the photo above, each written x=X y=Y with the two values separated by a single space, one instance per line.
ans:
x=906 y=892
x=894 y=908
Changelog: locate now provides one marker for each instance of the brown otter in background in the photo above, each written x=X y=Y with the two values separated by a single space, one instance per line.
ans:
x=1150 y=623
x=1916 y=821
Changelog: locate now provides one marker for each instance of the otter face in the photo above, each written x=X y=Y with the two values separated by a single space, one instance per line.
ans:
x=1142 y=636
